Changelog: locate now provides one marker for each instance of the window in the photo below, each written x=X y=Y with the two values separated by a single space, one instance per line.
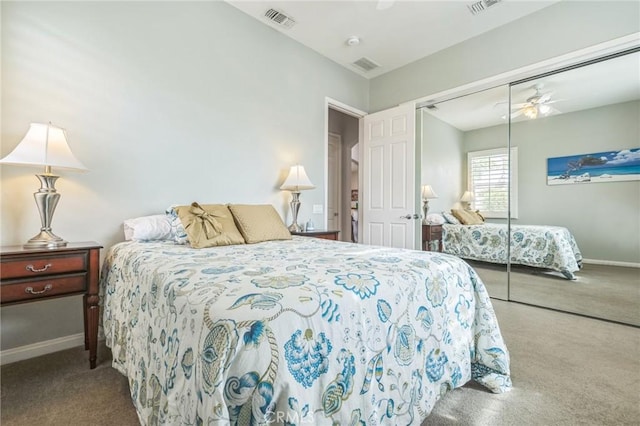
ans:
x=489 y=181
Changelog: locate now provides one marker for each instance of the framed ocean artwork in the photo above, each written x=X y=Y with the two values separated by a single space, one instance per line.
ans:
x=607 y=166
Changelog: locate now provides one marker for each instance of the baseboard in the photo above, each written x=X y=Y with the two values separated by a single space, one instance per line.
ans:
x=41 y=348
x=611 y=263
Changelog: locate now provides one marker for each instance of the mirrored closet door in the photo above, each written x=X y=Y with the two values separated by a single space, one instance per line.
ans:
x=577 y=135
x=572 y=144
x=454 y=134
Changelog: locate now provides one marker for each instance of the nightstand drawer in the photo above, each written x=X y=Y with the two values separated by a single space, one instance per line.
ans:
x=32 y=274
x=22 y=290
x=328 y=236
x=323 y=234
x=29 y=267
x=436 y=233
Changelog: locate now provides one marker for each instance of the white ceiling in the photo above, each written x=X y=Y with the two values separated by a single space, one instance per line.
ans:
x=393 y=37
x=409 y=30
x=604 y=83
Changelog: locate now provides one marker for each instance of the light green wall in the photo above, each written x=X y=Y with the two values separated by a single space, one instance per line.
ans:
x=559 y=29
x=164 y=102
x=171 y=102
x=603 y=217
x=443 y=160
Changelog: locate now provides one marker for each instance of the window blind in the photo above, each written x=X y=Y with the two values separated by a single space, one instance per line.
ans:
x=489 y=181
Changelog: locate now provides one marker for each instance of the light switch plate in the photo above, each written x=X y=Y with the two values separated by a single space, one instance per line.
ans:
x=317 y=209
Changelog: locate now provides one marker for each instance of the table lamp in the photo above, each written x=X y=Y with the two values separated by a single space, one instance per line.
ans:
x=427 y=194
x=296 y=181
x=466 y=200
x=46 y=146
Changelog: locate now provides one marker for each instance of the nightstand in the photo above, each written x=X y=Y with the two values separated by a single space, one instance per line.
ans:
x=326 y=235
x=432 y=234
x=28 y=275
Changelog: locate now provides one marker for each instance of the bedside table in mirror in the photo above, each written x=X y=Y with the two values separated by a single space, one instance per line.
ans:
x=432 y=237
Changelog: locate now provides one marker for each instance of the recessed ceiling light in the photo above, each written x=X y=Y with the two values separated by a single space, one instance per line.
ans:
x=353 y=41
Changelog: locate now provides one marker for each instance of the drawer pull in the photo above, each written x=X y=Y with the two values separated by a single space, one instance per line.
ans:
x=30 y=290
x=32 y=269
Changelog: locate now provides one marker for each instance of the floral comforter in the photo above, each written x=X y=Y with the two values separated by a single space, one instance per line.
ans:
x=551 y=247
x=304 y=331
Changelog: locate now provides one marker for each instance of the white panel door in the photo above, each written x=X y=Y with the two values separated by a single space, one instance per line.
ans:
x=334 y=183
x=388 y=169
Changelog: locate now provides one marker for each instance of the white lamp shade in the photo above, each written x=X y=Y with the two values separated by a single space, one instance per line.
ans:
x=297 y=180
x=428 y=193
x=44 y=145
x=467 y=197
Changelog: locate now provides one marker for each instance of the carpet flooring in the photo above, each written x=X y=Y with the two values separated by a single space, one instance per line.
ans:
x=600 y=291
x=566 y=370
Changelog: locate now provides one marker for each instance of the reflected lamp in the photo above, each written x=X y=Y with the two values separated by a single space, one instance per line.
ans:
x=466 y=200
x=427 y=194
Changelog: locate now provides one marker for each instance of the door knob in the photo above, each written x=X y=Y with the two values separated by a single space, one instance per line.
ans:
x=416 y=216
x=406 y=217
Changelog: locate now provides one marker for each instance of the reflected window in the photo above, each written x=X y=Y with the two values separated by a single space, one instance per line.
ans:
x=489 y=181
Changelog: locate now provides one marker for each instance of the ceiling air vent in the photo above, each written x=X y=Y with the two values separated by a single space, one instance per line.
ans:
x=366 y=64
x=280 y=18
x=481 y=6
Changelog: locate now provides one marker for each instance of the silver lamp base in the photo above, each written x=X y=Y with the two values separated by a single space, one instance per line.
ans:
x=295 y=207
x=46 y=199
x=425 y=209
x=45 y=239
x=294 y=227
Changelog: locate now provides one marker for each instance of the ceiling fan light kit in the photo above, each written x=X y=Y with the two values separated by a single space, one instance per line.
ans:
x=544 y=109
x=536 y=105
x=531 y=112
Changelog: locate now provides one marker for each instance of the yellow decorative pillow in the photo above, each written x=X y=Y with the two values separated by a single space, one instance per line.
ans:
x=259 y=222
x=209 y=225
x=468 y=217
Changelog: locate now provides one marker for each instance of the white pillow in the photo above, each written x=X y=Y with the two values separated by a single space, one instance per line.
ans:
x=435 y=219
x=450 y=218
x=178 y=234
x=145 y=228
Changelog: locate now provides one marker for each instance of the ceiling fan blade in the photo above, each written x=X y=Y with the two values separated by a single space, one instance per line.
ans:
x=518 y=113
x=544 y=98
x=520 y=105
x=501 y=109
x=554 y=101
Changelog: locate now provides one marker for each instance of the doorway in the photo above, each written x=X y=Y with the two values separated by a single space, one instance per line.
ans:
x=379 y=199
x=343 y=135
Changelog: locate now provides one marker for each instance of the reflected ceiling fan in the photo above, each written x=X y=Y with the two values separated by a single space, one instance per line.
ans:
x=537 y=105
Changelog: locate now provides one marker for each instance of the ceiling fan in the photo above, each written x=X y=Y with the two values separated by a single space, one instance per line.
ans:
x=537 y=105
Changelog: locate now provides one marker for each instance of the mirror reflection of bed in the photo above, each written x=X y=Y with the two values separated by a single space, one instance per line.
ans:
x=591 y=109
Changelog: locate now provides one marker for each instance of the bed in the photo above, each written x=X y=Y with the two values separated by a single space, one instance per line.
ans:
x=549 y=247
x=299 y=331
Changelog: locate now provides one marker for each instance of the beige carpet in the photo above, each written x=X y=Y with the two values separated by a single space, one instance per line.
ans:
x=600 y=291
x=566 y=369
